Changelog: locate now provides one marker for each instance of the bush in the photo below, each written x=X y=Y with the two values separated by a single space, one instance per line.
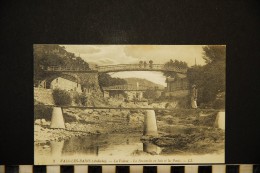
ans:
x=76 y=98
x=219 y=104
x=61 y=97
x=184 y=102
x=206 y=121
x=169 y=121
x=42 y=112
x=83 y=99
x=68 y=118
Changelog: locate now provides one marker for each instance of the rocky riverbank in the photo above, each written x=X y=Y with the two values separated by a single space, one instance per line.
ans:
x=199 y=141
x=44 y=135
x=191 y=131
x=180 y=130
x=89 y=122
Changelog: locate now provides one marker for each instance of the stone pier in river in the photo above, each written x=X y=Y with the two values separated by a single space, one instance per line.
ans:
x=57 y=120
x=150 y=125
x=220 y=120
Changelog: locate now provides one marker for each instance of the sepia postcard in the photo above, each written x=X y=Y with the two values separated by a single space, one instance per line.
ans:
x=129 y=104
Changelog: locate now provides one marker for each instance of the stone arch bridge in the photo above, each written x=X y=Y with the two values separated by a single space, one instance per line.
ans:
x=90 y=76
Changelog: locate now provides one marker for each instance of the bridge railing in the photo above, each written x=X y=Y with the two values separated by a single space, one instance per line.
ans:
x=119 y=67
x=127 y=87
x=159 y=67
x=60 y=68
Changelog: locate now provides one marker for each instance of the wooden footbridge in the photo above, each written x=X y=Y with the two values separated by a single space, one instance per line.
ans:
x=150 y=125
x=132 y=108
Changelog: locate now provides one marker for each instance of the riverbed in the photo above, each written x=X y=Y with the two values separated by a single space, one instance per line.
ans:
x=124 y=148
x=116 y=137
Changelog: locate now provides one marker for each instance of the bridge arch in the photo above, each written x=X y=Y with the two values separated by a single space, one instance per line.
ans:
x=46 y=83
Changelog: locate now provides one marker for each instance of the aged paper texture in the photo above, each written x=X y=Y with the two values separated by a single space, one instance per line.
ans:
x=129 y=104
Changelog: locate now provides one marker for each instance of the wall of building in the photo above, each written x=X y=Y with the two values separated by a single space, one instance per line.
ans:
x=134 y=94
x=179 y=84
x=106 y=94
x=179 y=93
x=65 y=84
x=44 y=96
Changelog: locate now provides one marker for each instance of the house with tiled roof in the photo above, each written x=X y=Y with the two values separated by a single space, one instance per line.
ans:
x=177 y=85
x=63 y=82
x=67 y=83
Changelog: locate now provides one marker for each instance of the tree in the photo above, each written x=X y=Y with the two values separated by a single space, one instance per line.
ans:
x=61 y=97
x=171 y=64
x=214 y=72
x=210 y=78
x=145 y=64
x=54 y=55
x=141 y=63
x=214 y=53
x=151 y=94
x=106 y=80
x=151 y=64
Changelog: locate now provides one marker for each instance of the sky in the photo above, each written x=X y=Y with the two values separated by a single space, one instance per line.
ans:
x=132 y=54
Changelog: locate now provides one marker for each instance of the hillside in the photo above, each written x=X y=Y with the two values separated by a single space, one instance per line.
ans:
x=54 y=55
x=132 y=81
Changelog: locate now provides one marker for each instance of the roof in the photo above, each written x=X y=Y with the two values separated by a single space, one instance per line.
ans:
x=169 y=79
x=177 y=76
x=181 y=76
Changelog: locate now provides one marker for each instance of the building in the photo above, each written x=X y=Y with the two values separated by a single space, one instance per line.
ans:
x=66 y=83
x=134 y=95
x=129 y=92
x=177 y=86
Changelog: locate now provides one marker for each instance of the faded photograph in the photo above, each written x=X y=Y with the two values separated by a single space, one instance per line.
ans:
x=129 y=104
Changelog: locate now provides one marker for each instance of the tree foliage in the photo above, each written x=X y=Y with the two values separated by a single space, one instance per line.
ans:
x=210 y=78
x=214 y=53
x=61 y=97
x=54 y=55
x=172 y=64
x=106 y=80
x=151 y=94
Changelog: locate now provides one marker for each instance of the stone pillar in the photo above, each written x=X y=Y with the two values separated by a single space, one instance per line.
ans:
x=150 y=126
x=57 y=120
x=220 y=120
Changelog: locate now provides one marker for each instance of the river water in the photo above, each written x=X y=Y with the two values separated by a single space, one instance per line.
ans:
x=98 y=145
x=104 y=148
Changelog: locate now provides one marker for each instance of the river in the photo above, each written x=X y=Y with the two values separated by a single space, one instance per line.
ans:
x=106 y=148
x=98 y=145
